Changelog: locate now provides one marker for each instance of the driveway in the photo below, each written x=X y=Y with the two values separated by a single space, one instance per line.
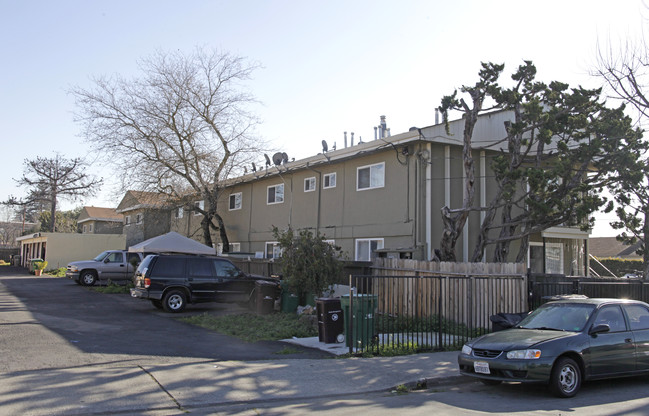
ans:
x=53 y=322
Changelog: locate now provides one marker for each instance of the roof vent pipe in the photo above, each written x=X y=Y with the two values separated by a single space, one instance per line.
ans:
x=375 y=132
x=352 y=138
x=437 y=116
x=345 y=139
x=389 y=134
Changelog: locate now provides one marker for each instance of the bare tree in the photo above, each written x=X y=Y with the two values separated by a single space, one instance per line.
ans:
x=625 y=73
x=180 y=128
x=48 y=179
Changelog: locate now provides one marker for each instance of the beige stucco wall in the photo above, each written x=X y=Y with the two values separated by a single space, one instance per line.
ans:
x=62 y=248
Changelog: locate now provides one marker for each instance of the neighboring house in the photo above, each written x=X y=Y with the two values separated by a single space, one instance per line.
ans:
x=605 y=247
x=146 y=215
x=96 y=220
x=381 y=197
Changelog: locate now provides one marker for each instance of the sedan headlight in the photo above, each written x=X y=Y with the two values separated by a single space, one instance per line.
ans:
x=524 y=355
x=466 y=350
x=73 y=268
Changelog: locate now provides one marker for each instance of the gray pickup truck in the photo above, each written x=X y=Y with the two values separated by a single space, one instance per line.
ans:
x=111 y=265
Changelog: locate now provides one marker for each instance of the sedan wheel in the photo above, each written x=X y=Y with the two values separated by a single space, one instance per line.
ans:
x=174 y=301
x=566 y=378
x=88 y=278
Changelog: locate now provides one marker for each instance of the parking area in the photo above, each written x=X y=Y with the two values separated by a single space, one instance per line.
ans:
x=58 y=319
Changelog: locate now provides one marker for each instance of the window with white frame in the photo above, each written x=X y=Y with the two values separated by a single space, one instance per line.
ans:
x=554 y=258
x=180 y=211
x=90 y=228
x=127 y=220
x=329 y=181
x=365 y=248
x=84 y=229
x=234 y=248
x=200 y=205
x=235 y=201
x=273 y=250
x=309 y=184
x=370 y=177
x=139 y=218
x=275 y=194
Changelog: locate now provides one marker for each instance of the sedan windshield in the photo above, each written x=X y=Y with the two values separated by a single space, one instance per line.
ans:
x=559 y=317
x=101 y=256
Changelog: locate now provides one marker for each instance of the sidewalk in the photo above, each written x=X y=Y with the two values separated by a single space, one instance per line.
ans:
x=171 y=386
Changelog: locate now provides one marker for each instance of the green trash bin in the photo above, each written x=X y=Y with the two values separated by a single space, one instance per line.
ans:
x=363 y=311
x=289 y=300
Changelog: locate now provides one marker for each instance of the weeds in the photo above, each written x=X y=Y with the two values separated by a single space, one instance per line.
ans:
x=251 y=328
x=113 y=288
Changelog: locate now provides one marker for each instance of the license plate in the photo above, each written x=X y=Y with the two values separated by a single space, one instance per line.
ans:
x=481 y=367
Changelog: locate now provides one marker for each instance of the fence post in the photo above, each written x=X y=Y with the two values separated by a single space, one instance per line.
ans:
x=350 y=314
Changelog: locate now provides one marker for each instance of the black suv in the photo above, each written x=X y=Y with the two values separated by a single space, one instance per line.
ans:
x=173 y=281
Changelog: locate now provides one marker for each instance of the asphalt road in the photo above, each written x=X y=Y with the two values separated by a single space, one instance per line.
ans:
x=53 y=322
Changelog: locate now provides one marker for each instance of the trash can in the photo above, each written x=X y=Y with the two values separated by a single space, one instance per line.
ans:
x=289 y=300
x=32 y=267
x=331 y=323
x=266 y=294
x=501 y=321
x=362 y=314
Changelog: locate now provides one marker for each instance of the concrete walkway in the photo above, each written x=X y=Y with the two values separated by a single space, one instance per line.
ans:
x=146 y=385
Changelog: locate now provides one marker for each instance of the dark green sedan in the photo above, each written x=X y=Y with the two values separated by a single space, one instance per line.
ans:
x=563 y=343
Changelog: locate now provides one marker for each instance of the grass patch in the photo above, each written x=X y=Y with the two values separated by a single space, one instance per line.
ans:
x=251 y=328
x=288 y=350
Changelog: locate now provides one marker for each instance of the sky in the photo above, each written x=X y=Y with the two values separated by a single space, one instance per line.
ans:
x=325 y=67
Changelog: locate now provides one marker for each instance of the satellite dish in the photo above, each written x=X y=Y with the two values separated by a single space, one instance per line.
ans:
x=267 y=159
x=284 y=158
x=254 y=168
x=277 y=158
x=325 y=147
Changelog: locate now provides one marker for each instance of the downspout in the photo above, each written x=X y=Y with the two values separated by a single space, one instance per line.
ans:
x=319 y=186
x=250 y=218
x=429 y=203
x=290 y=208
x=483 y=192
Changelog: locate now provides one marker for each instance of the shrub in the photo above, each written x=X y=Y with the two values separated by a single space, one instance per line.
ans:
x=309 y=264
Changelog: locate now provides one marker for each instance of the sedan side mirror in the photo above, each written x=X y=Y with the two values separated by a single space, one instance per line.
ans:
x=597 y=329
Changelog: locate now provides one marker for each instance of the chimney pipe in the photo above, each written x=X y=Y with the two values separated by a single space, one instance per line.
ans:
x=352 y=138
x=345 y=139
x=375 y=132
x=437 y=116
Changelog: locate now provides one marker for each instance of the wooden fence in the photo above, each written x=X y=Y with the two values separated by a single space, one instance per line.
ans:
x=465 y=293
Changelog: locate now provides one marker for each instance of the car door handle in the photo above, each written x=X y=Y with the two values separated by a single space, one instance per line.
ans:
x=628 y=340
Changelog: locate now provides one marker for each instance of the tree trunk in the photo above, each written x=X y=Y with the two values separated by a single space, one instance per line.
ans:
x=53 y=213
x=222 y=233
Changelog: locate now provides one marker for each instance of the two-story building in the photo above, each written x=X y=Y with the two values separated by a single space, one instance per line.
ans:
x=98 y=220
x=381 y=197
x=146 y=215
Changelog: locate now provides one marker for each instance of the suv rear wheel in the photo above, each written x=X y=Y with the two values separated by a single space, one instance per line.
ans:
x=174 y=301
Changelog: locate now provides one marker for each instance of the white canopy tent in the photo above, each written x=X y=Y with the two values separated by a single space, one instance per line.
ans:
x=171 y=242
